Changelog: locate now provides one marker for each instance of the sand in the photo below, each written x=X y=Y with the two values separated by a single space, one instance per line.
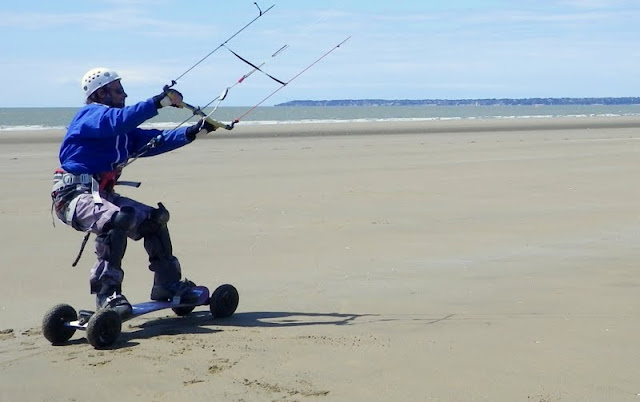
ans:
x=421 y=261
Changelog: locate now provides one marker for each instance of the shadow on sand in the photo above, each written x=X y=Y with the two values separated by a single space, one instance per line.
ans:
x=269 y=319
x=200 y=323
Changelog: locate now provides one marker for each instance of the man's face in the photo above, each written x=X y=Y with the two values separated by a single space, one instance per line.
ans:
x=113 y=94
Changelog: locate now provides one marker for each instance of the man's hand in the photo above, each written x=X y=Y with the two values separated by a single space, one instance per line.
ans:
x=169 y=97
x=202 y=127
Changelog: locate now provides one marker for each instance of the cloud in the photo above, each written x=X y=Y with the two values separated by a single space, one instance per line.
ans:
x=137 y=2
x=113 y=21
x=599 y=4
x=408 y=49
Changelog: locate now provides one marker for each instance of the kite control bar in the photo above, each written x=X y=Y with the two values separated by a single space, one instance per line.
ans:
x=197 y=111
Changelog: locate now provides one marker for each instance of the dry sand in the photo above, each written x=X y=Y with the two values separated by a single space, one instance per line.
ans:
x=432 y=261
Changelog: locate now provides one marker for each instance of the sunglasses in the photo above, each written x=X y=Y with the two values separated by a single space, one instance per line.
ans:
x=118 y=91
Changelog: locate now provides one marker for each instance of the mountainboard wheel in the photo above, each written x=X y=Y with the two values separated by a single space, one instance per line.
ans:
x=182 y=311
x=54 y=326
x=104 y=328
x=224 y=301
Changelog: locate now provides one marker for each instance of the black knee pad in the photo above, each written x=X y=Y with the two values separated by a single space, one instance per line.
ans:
x=125 y=219
x=160 y=214
x=156 y=220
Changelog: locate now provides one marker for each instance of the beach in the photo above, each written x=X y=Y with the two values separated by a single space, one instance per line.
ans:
x=470 y=260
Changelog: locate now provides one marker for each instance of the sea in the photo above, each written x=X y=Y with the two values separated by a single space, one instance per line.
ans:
x=29 y=119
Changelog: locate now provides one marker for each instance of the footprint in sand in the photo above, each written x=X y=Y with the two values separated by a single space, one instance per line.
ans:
x=6 y=334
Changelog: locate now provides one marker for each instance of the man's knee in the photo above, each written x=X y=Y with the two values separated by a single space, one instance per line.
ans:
x=125 y=219
x=158 y=217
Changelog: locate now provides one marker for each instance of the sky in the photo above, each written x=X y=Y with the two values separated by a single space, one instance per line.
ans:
x=402 y=49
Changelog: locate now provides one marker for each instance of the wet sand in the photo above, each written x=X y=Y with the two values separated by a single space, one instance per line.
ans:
x=447 y=261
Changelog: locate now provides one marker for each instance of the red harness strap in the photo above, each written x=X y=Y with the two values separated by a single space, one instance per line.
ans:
x=108 y=179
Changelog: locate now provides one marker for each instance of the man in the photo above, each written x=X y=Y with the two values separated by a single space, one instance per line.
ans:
x=100 y=140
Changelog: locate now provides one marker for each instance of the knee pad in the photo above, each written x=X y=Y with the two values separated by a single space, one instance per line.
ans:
x=125 y=219
x=155 y=221
x=160 y=214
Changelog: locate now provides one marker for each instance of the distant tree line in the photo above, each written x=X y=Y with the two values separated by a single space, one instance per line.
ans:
x=462 y=102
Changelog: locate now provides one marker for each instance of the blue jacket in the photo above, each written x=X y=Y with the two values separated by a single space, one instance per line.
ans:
x=99 y=138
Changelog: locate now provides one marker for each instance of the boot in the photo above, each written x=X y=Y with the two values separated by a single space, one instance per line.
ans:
x=166 y=291
x=111 y=297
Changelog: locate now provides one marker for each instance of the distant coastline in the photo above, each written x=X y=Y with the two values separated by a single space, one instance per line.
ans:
x=466 y=102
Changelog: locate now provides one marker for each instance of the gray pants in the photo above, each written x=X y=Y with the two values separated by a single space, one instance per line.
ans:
x=92 y=217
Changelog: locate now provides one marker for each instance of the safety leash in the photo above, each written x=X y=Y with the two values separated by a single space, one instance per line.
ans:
x=84 y=243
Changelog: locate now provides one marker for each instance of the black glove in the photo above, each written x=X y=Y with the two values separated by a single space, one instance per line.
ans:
x=202 y=124
x=163 y=99
x=208 y=126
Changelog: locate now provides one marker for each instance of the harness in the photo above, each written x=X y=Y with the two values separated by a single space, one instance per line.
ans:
x=66 y=191
x=67 y=186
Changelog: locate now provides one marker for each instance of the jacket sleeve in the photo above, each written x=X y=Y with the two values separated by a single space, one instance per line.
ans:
x=171 y=139
x=112 y=122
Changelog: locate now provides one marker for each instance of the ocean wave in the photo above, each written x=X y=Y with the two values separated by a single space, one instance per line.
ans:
x=35 y=127
x=173 y=124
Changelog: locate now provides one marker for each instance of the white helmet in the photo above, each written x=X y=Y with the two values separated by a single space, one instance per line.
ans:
x=97 y=78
